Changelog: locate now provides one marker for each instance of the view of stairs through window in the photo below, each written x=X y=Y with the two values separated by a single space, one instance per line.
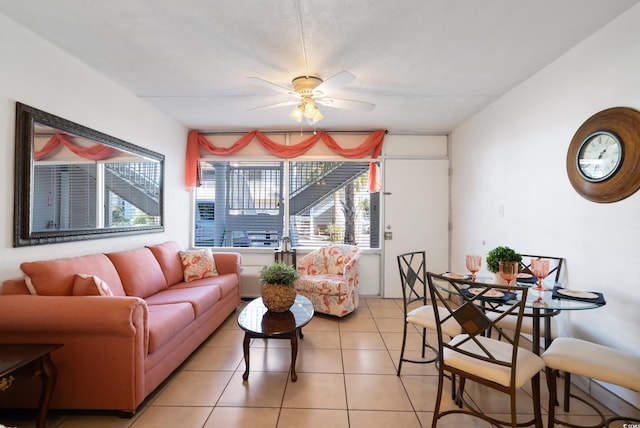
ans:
x=249 y=204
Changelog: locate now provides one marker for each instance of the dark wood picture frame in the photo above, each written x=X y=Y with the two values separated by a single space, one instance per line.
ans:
x=24 y=234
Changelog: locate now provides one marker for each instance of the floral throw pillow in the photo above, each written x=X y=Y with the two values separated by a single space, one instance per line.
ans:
x=90 y=285
x=198 y=264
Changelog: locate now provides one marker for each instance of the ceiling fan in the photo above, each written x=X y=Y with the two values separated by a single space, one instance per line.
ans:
x=309 y=91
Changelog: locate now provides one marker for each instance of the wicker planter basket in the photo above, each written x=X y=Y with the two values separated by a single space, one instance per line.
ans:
x=278 y=298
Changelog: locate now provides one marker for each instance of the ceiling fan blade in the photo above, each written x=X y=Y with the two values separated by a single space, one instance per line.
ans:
x=273 y=86
x=282 y=104
x=345 y=104
x=334 y=82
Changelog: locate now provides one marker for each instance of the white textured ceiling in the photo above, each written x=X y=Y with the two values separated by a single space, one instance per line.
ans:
x=427 y=65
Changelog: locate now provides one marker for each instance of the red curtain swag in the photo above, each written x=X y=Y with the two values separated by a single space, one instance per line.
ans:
x=94 y=152
x=373 y=145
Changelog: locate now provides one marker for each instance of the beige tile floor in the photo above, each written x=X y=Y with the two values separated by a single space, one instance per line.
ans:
x=346 y=378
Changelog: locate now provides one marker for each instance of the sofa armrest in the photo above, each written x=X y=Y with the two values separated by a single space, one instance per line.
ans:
x=228 y=262
x=105 y=341
x=59 y=315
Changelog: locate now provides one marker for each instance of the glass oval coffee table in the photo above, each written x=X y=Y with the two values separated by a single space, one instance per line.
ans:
x=258 y=322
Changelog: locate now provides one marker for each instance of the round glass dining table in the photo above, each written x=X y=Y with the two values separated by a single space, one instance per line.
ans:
x=544 y=305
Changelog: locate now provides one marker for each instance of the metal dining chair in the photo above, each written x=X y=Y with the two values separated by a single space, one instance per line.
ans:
x=413 y=279
x=501 y=365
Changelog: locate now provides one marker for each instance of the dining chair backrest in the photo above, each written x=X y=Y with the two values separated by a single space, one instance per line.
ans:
x=413 y=278
x=469 y=310
x=555 y=265
x=474 y=356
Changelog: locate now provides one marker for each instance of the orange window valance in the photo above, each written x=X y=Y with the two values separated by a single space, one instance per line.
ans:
x=372 y=145
x=93 y=152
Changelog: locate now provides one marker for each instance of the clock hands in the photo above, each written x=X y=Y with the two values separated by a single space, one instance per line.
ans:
x=602 y=152
x=597 y=166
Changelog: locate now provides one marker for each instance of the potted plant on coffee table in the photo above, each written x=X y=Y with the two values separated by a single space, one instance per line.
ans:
x=278 y=286
x=498 y=254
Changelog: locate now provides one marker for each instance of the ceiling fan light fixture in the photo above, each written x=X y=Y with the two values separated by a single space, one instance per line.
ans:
x=317 y=116
x=310 y=108
x=307 y=109
x=298 y=113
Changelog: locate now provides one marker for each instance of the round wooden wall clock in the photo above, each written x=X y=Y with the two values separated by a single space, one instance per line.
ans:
x=603 y=160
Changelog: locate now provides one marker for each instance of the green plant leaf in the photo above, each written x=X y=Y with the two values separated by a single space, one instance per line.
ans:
x=279 y=273
x=501 y=254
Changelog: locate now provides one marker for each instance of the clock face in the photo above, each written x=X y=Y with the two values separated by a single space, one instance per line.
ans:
x=599 y=156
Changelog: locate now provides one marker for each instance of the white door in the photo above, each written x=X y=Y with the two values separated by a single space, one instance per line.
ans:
x=416 y=213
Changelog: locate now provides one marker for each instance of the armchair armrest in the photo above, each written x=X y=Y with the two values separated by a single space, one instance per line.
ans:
x=352 y=270
x=303 y=263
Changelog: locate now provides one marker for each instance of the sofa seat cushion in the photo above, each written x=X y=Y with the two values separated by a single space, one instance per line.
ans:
x=139 y=271
x=56 y=277
x=333 y=285
x=228 y=283
x=201 y=298
x=168 y=257
x=166 y=321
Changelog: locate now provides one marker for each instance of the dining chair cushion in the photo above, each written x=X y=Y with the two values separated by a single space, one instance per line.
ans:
x=509 y=322
x=528 y=363
x=425 y=317
x=595 y=361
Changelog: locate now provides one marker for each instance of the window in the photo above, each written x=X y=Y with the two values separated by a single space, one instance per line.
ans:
x=256 y=203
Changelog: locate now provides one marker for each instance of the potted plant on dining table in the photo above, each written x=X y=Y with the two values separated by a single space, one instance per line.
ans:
x=498 y=254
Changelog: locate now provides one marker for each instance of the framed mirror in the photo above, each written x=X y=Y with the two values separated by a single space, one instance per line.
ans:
x=74 y=183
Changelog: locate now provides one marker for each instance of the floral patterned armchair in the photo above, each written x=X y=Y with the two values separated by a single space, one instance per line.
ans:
x=329 y=277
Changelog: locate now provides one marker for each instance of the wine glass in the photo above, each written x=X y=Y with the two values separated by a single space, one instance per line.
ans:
x=473 y=265
x=508 y=271
x=540 y=269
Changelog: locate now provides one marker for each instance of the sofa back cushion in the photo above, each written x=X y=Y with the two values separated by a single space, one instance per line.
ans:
x=139 y=271
x=168 y=257
x=56 y=277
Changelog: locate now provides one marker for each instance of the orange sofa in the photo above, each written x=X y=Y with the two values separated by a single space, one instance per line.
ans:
x=117 y=349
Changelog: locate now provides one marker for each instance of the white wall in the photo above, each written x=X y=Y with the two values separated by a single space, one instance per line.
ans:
x=38 y=74
x=513 y=154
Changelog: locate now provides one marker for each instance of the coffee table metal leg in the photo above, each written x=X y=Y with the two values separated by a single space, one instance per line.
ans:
x=245 y=347
x=294 y=355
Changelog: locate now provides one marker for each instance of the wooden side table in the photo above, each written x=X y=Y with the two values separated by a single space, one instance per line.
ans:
x=286 y=257
x=23 y=361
